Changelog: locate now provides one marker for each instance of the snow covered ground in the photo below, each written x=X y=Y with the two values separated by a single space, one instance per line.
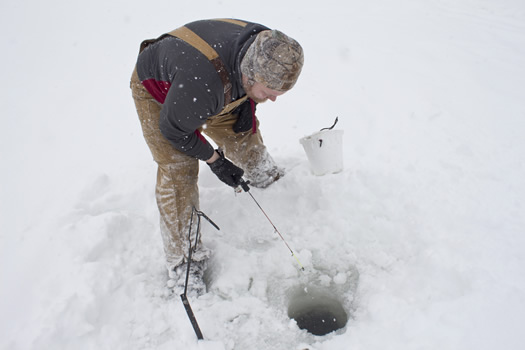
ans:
x=422 y=236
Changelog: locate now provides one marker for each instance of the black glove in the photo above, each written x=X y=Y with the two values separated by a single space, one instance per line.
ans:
x=226 y=171
x=245 y=116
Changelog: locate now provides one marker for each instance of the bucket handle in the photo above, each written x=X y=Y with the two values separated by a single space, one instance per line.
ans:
x=330 y=128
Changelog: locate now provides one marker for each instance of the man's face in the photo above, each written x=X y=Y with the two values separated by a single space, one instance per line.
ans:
x=260 y=93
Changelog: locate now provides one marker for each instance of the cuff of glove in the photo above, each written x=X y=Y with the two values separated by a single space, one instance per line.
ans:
x=217 y=163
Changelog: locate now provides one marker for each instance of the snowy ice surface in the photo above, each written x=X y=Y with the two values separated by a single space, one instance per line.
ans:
x=421 y=236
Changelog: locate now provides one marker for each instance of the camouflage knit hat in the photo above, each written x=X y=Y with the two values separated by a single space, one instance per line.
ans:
x=274 y=60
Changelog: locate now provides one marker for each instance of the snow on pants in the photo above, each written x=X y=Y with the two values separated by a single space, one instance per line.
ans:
x=176 y=189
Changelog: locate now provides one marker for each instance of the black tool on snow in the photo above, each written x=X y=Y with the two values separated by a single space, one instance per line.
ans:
x=246 y=188
x=183 y=296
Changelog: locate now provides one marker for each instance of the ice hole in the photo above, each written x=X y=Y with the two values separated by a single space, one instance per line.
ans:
x=317 y=311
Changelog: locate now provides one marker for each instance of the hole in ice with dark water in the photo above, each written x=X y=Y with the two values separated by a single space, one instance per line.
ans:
x=317 y=311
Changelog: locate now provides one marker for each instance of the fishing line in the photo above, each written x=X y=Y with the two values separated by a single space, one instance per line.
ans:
x=246 y=188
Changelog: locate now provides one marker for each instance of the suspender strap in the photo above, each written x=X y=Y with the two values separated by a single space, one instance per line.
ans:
x=232 y=21
x=197 y=42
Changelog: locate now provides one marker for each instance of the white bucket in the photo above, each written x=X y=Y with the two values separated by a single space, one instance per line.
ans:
x=324 y=151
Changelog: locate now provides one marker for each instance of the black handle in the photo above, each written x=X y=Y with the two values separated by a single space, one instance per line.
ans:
x=244 y=185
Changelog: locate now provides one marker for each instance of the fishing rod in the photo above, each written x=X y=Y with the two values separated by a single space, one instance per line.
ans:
x=246 y=188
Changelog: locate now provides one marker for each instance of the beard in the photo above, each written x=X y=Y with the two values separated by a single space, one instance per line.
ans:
x=248 y=88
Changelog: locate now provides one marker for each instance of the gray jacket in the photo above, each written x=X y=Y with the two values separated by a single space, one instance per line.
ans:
x=187 y=84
